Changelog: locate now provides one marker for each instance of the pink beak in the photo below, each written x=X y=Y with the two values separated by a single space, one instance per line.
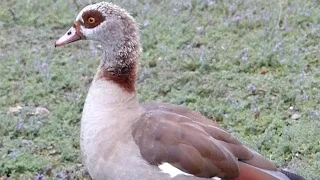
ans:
x=72 y=35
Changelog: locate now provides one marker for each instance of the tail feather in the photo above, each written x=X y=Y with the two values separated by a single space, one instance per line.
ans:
x=292 y=176
x=249 y=172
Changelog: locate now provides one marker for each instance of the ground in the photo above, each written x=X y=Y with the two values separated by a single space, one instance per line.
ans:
x=251 y=64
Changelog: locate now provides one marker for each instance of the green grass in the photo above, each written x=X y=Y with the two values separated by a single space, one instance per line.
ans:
x=252 y=64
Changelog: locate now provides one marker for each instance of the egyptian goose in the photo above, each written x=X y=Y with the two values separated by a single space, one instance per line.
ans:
x=122 y=139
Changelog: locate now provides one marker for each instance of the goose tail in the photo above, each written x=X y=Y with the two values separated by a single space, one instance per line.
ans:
x=249 y=172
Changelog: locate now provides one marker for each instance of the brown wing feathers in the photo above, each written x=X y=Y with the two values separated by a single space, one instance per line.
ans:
x=168 y=137
x=181 y=111
x=198 y=148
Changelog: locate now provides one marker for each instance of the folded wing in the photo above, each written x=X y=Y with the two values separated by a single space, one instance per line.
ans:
x=197 y=147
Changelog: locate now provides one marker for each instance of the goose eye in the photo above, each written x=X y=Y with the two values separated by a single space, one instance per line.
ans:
x=91 y=20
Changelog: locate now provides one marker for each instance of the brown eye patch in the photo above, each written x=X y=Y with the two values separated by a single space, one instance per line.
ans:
x=92 y=19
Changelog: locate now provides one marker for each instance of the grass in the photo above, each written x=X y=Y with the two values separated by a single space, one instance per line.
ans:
x=254 y=65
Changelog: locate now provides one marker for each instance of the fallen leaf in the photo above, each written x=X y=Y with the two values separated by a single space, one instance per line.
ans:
x=14 y=110
x=41 y=111
x=295 y=116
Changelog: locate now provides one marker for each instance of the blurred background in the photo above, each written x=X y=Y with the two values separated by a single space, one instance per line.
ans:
x=251 y=64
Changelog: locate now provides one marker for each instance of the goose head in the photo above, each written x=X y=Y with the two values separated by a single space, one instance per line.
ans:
x=105 y=22
x=117 y=32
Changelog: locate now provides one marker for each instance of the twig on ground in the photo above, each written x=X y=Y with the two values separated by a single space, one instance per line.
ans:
x=263 y=90
x=13 y=15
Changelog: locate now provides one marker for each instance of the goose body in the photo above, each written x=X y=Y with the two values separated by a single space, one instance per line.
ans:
x=122 y=139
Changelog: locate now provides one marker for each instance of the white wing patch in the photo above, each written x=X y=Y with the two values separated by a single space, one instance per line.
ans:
x=173 y=171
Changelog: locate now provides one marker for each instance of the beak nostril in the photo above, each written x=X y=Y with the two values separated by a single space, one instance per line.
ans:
x=70 y=36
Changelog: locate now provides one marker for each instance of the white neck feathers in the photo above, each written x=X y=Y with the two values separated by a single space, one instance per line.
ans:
x=107 y=105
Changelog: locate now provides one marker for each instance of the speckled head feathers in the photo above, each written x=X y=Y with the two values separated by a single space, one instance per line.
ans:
x=118 y=34
x=104 y=21
x=105 y=8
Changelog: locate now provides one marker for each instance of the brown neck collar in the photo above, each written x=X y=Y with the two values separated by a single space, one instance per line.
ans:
x=120 y=64
x=124 y=76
